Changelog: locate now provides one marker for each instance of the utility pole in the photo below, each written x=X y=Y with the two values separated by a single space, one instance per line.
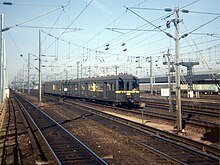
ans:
x=89 y=71
x=81 y=73
x=23 y=76
x=77 y=75
x=116 y=70
x=4 y=71
x=178 y=90
x=39 y=84
x=1 y=61
x=66 y=75
x=169 y=82
x=151 y=76
x=29 y=74
x=20 y=80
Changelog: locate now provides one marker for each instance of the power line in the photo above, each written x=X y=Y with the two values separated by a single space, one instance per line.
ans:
x=185 y=11
x=145 y=8
x=126 y=29
x=50 y=35
x=190 y=4
x=47 y=27
x=200 y=12
x=186 y=34
x=31 y=19
x=71 y=23
x=202 y=50
x=168 y=34
x=107 y=27
x=95 y=36
x=14 y=42
x=208 y=34
x=52 y=27
x=20 y=4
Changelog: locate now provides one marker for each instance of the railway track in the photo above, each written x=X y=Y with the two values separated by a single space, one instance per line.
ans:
x=10 y=151
x=208 y=119
x=63 y=145
x=202 y=117
x=168 y=146
x=200 y=108
x=152 y=112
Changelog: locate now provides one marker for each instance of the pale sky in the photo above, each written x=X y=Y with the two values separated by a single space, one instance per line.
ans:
x=104 y=34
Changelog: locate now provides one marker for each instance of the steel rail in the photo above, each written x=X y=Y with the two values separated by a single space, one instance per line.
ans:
x=92 y=154
x=198 y=145
x=183 y=141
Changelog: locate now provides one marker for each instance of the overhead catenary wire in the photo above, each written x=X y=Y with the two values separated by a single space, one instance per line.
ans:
x=24 y=4
x=199 y=27
x=71 y=23
x=31 y=19
x=50 y=35
x=127 y=34
x=168 y=34
x=205 y=62
x=51 y=28
x=122 y=14
x=107 y=57
x=185 y=11
x=111 y=55
x=14 y=42
x=200 y=12
x=190 y=4
x=208 y=34
x=47 y=27
x=93 y=52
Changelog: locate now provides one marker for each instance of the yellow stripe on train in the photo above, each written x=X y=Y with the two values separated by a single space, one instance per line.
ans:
x=127 y=92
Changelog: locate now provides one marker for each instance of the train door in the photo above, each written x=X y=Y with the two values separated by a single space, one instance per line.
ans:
x=126 y=85
x=71 y=88
x=86 y=89
x=78 y=89
x=94 y=89
x=105 y=89
x=65 y=89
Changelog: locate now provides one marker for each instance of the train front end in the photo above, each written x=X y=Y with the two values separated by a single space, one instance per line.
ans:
x=128 y=93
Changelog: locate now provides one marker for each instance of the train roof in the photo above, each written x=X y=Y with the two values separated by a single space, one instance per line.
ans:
x=103 y=78
x=201 y=78
x=111 y=77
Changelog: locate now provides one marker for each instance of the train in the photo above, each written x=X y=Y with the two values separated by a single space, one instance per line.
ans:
x=201 y=88
x=117 y=90
x=202 y=83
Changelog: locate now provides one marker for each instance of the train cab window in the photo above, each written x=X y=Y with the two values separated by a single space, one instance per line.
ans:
x=127 y=86
x=134 y=86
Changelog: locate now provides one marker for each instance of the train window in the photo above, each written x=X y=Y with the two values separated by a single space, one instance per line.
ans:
x=99 y=87
x=126 y=85
x=83 y=87
x=121 y=85
x=90 y=87
x=134 y=85
x=110 y=87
